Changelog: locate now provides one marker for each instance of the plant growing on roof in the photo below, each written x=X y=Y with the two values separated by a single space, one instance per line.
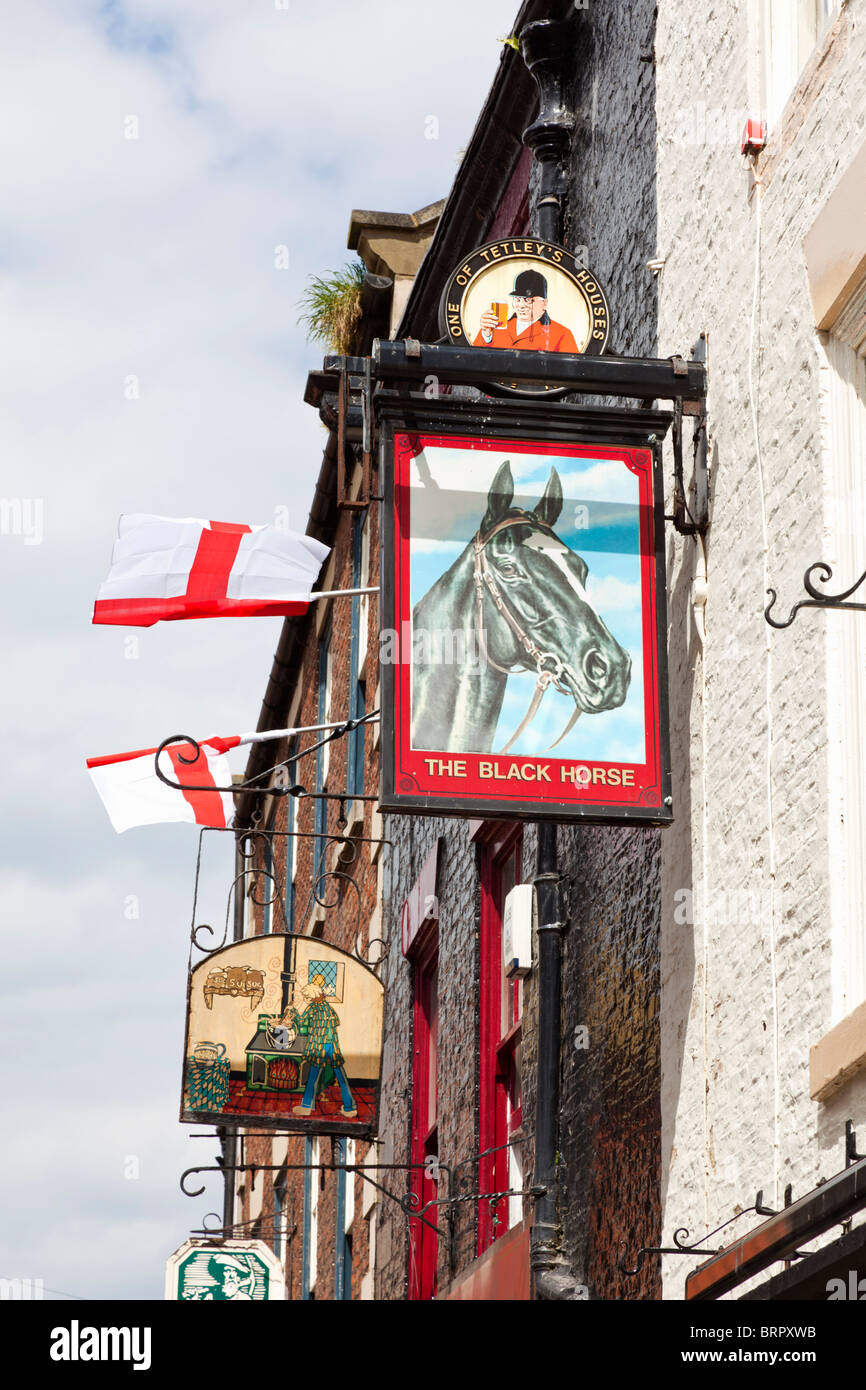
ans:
x=331 y=306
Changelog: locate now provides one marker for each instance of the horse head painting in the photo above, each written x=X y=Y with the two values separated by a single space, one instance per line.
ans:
x=517 y=598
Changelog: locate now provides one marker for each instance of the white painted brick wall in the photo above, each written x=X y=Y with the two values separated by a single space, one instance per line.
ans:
x=743 y=1000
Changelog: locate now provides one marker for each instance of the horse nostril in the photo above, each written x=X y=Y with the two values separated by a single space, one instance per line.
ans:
x=595 y=666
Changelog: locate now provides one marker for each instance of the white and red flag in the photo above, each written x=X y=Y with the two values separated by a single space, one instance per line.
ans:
x=133 y=794
x=163 y=568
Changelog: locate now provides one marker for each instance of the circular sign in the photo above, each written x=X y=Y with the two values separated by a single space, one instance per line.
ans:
x=527 y=294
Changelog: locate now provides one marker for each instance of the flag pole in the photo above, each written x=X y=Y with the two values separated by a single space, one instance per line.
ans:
x=342 y=593
x=268 y=734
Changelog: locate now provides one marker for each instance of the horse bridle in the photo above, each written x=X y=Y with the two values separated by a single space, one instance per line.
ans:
x=545 y=677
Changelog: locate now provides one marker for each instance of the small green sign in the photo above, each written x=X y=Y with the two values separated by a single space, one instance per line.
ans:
x=224 y=1272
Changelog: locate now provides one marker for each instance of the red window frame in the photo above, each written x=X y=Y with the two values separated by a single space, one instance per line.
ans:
x=423 y=1242
x=500 y=1108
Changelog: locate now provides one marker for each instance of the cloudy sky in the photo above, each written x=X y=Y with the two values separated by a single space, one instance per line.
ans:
x=155 y=157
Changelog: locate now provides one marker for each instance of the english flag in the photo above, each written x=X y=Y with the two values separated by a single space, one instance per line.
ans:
x=133 y=794
x=164 y=568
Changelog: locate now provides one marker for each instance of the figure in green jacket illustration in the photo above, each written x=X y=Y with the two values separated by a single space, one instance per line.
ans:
x=318 y=1026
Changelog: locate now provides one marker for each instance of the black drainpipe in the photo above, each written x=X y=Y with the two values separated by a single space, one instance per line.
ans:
x=546 y=47
x=227 y=1160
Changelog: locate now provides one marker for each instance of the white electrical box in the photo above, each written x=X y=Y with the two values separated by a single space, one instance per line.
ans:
x=517 y=923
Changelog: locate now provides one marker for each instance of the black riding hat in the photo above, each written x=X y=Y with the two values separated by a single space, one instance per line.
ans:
x=530 y=282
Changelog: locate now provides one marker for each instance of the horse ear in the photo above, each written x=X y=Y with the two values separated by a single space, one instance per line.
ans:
x=550 y=505
x=500 y=496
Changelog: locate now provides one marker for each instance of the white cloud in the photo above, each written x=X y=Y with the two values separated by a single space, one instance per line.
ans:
x=425 y=546
x=613 y=595
x=605 y=480
x=153 y=259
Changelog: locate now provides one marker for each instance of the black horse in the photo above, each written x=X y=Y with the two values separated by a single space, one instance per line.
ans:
x=516 y=596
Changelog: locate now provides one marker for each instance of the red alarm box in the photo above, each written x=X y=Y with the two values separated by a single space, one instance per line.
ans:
x=754 y=137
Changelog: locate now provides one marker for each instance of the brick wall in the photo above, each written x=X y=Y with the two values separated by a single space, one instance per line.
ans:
x=345 y=924
x=459 y=916
x=610 y=1118
x=610 y=1115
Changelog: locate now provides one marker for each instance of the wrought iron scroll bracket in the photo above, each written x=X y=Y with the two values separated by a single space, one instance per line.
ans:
x=409 y=1204
x=851 y=1154
x=680 y=1245
x=455 y=1193
x=254 y=876
x=260 y=785
x=817 y=599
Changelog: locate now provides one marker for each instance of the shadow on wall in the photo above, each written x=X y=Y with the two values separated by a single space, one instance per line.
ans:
x=611 y=1090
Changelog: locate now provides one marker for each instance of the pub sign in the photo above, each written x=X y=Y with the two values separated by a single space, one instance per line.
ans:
x=225 y=1271
x=283 y=1032
x=522 y=651
x=527 y=294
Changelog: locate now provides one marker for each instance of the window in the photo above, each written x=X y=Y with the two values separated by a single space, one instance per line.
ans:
x=265 y=893
x=323 y=717
x=500 y=1113
x=364 y=583
x=311 y=1221
x=344 y=1152
x=357 y=689
x=279 y=1232
x=239 y=917
x=423 y=1242
x=791 y=29
x=844 y=411
x=291 y=842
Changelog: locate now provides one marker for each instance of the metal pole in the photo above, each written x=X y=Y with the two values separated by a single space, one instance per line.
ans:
x=228 y=1145
x=545 y=47
x=644 y=378
x=550 y=1279
x=342 y=593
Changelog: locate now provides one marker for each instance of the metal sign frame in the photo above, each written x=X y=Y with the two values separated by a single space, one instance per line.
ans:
x=497 y=424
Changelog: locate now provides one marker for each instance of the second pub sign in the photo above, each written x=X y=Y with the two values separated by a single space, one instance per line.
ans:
x=523 y=635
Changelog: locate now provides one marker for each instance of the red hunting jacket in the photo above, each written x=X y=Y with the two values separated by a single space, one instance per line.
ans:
x=539 y=337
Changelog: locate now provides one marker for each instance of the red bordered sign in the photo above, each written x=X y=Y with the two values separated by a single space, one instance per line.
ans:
x=522 y=655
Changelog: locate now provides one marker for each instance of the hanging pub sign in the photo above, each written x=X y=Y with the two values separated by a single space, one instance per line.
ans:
x=285 y=1032
x=522 y=652
x=525 y=293
x=224 y=1271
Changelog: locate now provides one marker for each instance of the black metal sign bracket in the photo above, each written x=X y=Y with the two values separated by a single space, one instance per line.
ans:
x=817 y=599
x=691 y=520
x=410 y=362
x=344 y=499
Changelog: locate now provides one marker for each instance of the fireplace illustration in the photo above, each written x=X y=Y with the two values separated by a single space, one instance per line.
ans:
x=275 y=1057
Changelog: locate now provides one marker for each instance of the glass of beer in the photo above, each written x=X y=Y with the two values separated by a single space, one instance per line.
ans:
x=499 y=307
